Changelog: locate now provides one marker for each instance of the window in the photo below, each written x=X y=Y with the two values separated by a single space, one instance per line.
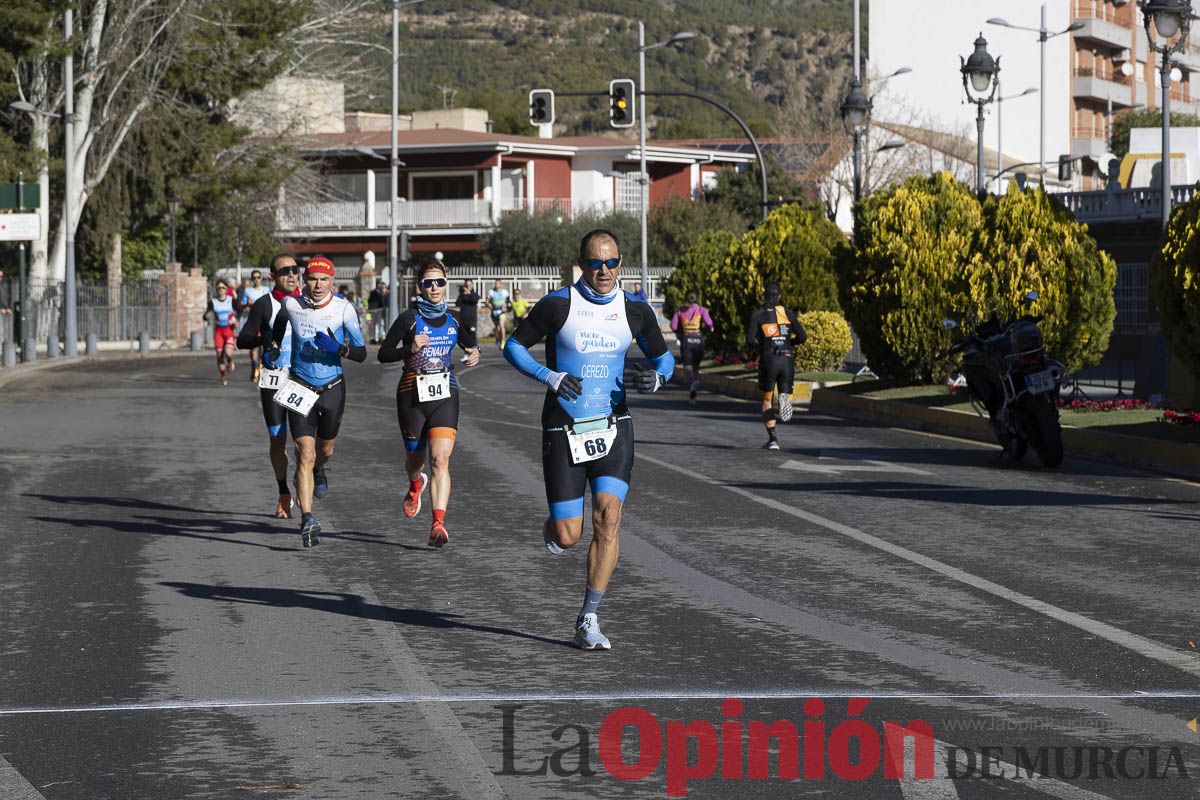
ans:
x=443 y=187
x=628 y=192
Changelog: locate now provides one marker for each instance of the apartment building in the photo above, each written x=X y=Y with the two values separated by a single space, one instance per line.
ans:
x=1092 y=73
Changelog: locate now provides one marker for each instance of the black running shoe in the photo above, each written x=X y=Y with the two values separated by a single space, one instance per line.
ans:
x=310 y=531
x=320 y=483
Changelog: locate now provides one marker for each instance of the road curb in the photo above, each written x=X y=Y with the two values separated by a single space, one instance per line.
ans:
x=1174 y=458
x=12 y=374
x=741 y=388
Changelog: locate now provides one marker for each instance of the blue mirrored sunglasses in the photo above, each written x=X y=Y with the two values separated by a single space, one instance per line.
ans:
x=428 y=283
x=597 y=263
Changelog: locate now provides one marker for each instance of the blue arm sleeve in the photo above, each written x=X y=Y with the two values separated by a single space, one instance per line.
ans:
x=518 y=355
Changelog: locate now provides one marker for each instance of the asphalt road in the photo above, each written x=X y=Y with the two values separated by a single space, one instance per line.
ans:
x=162 y=636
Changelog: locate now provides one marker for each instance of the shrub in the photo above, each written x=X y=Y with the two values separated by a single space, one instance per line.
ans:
x=913 y=249
x=704 y=268
x=795 y=247
x=1031 y=242
x=1175 y=284
x=928 y=249
x=828 y=341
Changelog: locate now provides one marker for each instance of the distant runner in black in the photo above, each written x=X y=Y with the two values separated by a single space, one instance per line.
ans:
x=256 y=334
x=468 y=315
x=775 y=331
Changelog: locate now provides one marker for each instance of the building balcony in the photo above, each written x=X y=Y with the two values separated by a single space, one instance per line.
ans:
x=412 y=215
x=1122 y=205
x=1106 y=32
x=355 y=215
x=1086 y=143
x=1089 y=86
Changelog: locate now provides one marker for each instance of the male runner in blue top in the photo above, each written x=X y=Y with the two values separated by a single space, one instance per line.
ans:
x=324 y=331
x=587 y=432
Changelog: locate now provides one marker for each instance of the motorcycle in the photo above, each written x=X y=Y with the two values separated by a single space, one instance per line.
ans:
x=1007 y=373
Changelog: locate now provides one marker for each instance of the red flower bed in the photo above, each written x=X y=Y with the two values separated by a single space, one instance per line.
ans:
x=1104 y=405
x=1181 y=417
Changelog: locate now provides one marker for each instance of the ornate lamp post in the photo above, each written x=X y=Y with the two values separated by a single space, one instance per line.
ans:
x=980 y=75
x=856 y=108
x=1171 y=19
x=172 y=213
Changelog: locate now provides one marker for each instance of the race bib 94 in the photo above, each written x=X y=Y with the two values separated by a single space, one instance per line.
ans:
x=433 y=386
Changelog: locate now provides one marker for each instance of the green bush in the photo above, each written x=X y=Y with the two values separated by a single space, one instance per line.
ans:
x=913 y=249
x=828 y=341
x=704 y=268
x=796 y=247
x=1031 y=242
x=1175 y=284
x=929 y=249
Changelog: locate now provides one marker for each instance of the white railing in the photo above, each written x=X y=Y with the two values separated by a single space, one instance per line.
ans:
x=323 y=216
x=1122 y=204
x=410 y=214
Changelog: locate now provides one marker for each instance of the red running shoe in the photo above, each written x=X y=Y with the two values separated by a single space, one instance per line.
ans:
x=437 y=535
x=412 y=500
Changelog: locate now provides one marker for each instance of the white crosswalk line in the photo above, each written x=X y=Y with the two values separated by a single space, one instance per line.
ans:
x=13 y=785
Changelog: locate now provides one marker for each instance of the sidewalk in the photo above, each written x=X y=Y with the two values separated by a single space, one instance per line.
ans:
x=11 y=374
x=1173 y=450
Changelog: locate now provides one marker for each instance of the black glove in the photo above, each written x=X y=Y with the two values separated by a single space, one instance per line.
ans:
x=648 y=381
x=565 y=386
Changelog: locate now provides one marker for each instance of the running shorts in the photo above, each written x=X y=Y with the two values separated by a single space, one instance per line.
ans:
x=691 y=352
x=420 y=422
x=325 y=418
x=275 y=415
x=566 y=482
x=225 y=338
x=776 y=371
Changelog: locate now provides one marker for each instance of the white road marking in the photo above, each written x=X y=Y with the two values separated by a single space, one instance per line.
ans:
x=632 y=695
x=1175 y=658
x=940 y=787
x=477 y=780
x=13 y=785
x=868 y=465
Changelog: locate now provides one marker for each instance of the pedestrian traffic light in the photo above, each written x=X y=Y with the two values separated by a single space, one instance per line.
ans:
x=620 y=103
x=541 y=107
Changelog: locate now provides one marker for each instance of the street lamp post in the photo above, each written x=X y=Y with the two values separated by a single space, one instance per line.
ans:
x=196 y=239
x=1044 y=35
x=393 y=233
x=172 y=212
x=855 y=110
x=1171 y=19
x=72 y=331
x=643 y=176
x=980 y=75
x=1000 y=98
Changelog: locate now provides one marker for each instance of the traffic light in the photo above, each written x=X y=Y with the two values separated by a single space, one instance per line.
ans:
x=621 y=103
x=541 y=107
x=1066 y=166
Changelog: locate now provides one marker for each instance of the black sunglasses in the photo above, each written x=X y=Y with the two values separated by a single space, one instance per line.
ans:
x=288 y=271
x=597 y=263
x=429 y=283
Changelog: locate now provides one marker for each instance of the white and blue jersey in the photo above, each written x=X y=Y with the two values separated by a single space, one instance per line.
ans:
x=587 y=339
x=309 y=363
x=254 y=293
x=223 y=313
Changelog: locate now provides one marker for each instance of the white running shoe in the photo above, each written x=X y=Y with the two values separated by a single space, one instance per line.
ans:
x=772 y=444
x=588 y=635
x=785 y=408
x=551 y=545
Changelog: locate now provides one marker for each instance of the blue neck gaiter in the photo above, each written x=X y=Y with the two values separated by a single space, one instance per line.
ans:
x=431 y=310
x=585 y=289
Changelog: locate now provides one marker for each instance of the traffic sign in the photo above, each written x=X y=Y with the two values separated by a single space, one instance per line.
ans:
x=19 y=227
x=19 y=195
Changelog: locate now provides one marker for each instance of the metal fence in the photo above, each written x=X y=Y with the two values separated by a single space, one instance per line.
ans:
x=117 y=314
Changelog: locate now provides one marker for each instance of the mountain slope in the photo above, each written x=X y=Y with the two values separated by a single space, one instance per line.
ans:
x=756 y=56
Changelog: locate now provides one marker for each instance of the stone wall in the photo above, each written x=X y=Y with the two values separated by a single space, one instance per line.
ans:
x=187 y=296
